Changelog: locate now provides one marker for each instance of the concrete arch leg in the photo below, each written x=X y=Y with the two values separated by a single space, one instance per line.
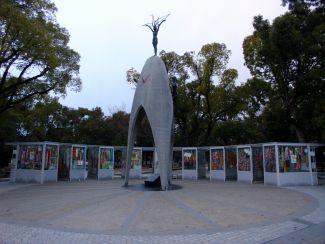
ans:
x=153 y=98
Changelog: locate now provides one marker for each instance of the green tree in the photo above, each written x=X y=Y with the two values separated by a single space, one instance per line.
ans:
x=206 y=93
x=117 y=125
x=39 y=122
x=7 y=134
x=290 y=54
x=254 y=97
x=50 y=121
x=34 y=54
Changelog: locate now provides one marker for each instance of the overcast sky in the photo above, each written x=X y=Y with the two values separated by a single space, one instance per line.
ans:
x=109 y=36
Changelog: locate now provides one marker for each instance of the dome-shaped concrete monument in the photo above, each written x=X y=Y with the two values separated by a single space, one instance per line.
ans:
x=153 y=98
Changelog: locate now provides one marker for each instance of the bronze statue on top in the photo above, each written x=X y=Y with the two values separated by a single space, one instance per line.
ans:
x=154 y=27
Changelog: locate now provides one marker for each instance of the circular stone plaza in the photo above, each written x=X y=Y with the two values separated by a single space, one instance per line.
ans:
x=200 y=211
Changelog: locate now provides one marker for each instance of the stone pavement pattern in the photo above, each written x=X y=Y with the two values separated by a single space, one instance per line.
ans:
x=210 y=212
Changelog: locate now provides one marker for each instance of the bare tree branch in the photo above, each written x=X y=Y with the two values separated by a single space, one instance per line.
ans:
x=10 y=103
x=21 y=81
x=5 y=74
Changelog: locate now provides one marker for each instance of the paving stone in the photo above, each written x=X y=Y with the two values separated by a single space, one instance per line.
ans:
x=14 y=231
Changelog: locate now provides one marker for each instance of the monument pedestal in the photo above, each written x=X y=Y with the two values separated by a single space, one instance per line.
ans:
x=153 y=181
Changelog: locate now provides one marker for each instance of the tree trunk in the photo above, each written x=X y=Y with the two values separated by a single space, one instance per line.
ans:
x=299 y=133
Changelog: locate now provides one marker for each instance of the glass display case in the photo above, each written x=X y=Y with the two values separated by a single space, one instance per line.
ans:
x=244 y=164
x=177 y=163
x=189 y=163
x=78 y=157
x=64 y=162
x=217 y=159
x=135 y=167
x=287 y=164
x=269 y=159
x=119 y=161
x=106 y=162
x=277 y=163
x=257 y=157
x=231 y=163
x=78 y=162
x=293 y=158
x=244 y=159
x=106 y=158
x=93 y=159
x=189 y=159
x=30 y=157
x=148 y=160
x=217 y=165
x=36 y=162
x=51 y=157
x=136 y=159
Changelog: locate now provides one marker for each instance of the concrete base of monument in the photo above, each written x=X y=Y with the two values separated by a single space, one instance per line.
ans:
x=142 y=187
x=153 y=181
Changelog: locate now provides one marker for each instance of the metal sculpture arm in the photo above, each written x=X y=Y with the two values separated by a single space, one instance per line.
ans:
x=154 y=27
